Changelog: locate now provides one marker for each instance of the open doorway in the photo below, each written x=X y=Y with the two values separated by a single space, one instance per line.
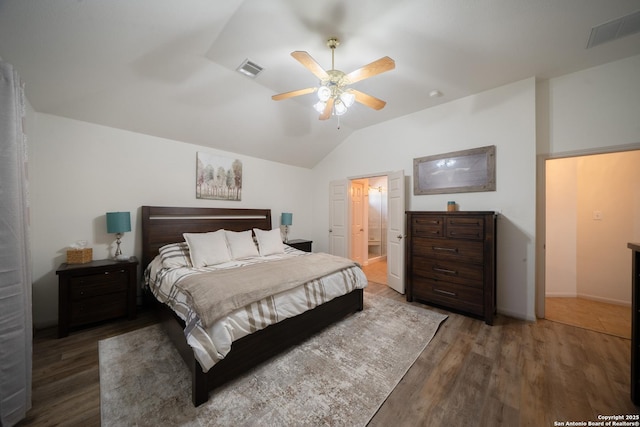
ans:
x=370 y=218
x=592 y=210
x=349 y=233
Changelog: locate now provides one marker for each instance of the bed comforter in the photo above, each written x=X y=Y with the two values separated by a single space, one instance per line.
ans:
x=211 y=339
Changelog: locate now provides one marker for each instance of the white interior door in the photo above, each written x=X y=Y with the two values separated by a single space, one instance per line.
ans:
x=357 y=222
x=338 y=218
x=396 y=231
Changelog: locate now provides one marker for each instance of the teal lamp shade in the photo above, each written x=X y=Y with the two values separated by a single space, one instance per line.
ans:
x=286 y=218
x=118 y=222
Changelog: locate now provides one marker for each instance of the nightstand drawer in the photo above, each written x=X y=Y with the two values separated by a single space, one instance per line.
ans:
x=96 y=289
x=97 y=308
x=98 y=284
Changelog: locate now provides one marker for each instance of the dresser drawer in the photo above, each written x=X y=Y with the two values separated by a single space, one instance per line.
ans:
x=457 y=297
x=462 y=227
x=459 y=273
x=428 y=226
x=449 y=249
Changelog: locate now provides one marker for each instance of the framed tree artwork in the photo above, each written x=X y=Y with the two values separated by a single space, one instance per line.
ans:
x=218 y=178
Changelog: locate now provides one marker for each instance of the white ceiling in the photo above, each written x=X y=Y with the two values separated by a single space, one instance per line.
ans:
x=167 y=68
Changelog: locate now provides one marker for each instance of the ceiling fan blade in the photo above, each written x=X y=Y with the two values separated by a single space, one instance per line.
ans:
x=368 y=100
x=310 y=64
x=293 y=93
x=327 y=110
x=372 y=69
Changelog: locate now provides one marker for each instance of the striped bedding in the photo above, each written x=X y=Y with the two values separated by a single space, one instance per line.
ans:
x=213 y=343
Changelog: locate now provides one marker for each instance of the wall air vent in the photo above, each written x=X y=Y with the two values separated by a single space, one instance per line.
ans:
x=615 y=29
x=249 y=68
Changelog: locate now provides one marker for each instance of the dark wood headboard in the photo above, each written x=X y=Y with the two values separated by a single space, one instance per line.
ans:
x=164 y=225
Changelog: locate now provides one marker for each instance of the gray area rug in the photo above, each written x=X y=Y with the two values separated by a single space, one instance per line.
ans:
x=340 y=376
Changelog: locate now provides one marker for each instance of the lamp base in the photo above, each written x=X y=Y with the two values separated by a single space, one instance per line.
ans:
x=121 y=257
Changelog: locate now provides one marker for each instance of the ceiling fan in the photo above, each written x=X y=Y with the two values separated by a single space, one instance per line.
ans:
x=334 y=94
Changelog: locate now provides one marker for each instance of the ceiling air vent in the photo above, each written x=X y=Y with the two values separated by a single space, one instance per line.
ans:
x=615 y=29
x=249 y=68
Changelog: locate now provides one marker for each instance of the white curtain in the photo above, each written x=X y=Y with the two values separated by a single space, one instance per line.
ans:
x=15 y=255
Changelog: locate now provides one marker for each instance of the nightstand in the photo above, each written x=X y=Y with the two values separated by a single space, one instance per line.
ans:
x=95 y=291
x=300 y=244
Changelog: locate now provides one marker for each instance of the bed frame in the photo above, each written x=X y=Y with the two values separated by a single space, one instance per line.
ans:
x=164 y=225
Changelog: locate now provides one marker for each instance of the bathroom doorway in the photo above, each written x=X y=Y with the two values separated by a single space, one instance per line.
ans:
x=372 y=222
x=377 y=219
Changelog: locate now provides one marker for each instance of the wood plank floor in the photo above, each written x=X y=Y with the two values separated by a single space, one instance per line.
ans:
x=594 y=315
x=514 y=373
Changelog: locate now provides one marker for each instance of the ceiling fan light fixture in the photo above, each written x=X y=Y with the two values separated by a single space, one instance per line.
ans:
x=334 y=95
x=324 y=93
x=319 y=106
x=347 y=98
x=339 y=108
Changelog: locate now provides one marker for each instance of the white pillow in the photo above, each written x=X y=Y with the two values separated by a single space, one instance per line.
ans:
x=207 y=248
x=241 y=244
x=269 y=242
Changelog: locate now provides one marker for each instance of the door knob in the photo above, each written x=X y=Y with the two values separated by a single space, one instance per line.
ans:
x=399 y=236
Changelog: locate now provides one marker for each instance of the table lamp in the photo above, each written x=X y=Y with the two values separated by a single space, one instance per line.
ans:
x=118 y=223
x=286 y=219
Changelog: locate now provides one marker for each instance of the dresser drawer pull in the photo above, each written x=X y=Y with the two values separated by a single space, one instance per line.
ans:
x=444 y=270
x=440 y=291
x=453 y=233
x=436 y=232
x=454 y=222
x=439 y=248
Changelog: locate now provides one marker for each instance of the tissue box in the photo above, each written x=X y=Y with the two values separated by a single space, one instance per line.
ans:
x=79 y=256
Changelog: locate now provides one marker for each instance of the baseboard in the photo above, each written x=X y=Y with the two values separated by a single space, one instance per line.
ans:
x=515 y=315
x=605 y=300
x=560 y=295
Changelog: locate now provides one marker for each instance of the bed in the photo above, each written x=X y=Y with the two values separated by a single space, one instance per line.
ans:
x=162 y=226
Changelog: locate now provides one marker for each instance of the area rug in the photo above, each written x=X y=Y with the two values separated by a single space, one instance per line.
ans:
x=340 y=376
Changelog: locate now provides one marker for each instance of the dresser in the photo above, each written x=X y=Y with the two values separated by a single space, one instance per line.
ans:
x=451 y=261
x=95 y=291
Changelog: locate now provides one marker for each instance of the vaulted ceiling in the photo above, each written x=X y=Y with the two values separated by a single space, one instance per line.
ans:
x=168 y=68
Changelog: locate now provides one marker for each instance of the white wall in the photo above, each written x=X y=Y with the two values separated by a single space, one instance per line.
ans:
x=590 y=111
x=561 y=228
x=504 y=117
x=79 y=171
x=607 y=183
x=595 y=108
